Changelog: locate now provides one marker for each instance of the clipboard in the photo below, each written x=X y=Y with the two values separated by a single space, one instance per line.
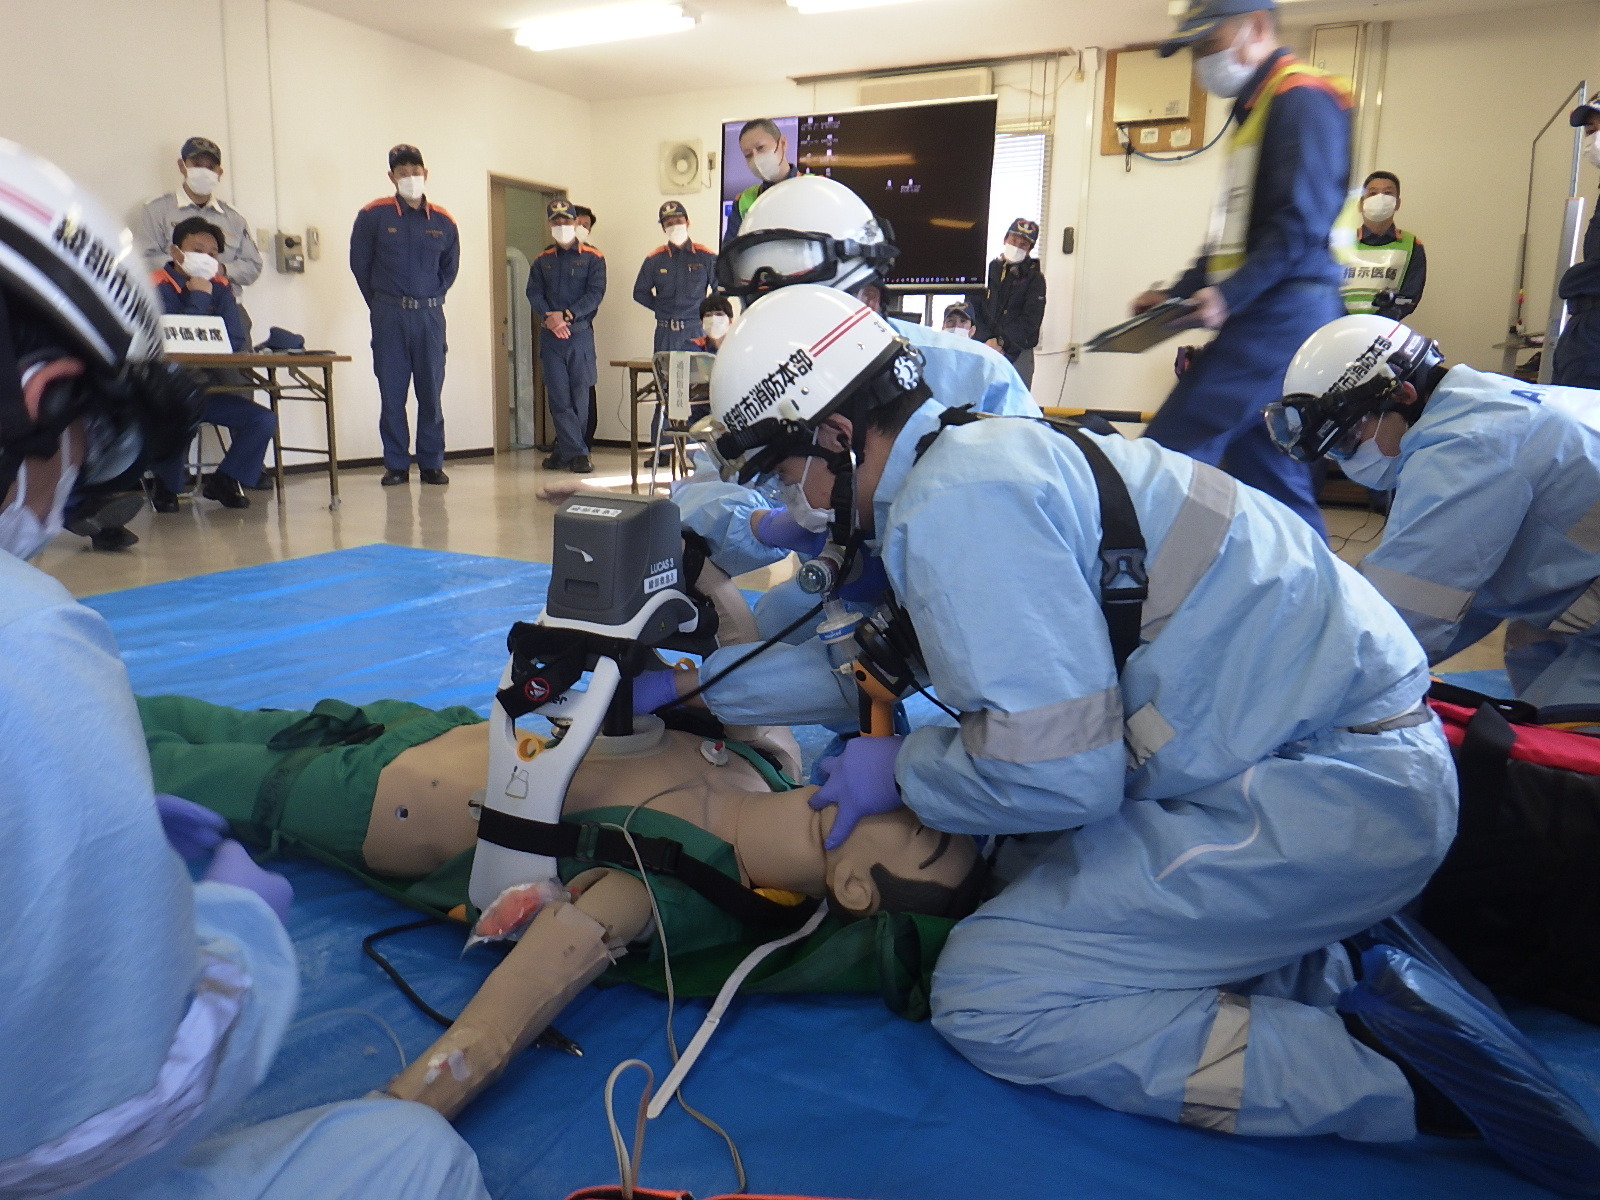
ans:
x=1138 y=334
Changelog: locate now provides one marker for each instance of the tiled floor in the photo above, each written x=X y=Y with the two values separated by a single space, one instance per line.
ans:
x=491 y=506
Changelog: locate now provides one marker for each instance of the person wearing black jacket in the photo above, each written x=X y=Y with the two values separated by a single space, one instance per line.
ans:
x=1577 y=361
x=1012 y=310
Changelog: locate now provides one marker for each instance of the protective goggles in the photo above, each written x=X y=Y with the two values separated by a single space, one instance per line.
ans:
x=1307 y=427
x=773 y=258
x=753 y=453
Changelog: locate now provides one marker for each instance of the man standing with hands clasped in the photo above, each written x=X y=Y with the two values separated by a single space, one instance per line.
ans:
x=404 y=253
x=565 y=286
x=1266 y=279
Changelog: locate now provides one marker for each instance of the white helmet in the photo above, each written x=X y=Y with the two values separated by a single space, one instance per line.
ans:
x=809 y=229
x=796 y=356
x=71 y=287
x=1348 y=370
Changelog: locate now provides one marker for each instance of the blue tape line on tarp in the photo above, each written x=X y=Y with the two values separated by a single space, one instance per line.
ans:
x=826 y=1095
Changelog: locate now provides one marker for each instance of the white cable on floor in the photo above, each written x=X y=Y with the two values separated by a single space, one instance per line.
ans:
x=358 y=1012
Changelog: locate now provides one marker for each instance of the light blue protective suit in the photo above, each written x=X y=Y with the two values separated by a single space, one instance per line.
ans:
x=958 y=370
x=138 y=1009
x=1496 y=517
x=1233 y=826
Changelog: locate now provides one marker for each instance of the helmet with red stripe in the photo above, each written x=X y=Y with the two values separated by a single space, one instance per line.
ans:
x=71 y=288
x=796 y=356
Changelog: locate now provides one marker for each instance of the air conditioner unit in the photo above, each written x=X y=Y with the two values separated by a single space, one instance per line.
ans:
x=926 y=85
x=682 y=168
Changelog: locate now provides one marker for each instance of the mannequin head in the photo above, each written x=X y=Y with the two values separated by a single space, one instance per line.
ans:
x=892 y=862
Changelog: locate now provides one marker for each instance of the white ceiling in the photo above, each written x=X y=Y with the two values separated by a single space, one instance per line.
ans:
x=743 y=42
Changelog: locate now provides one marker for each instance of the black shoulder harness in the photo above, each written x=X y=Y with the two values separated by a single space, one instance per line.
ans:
x=1124 y=580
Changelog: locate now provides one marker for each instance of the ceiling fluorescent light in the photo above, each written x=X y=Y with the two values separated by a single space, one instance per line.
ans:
x=611 y=23
x=809 y=7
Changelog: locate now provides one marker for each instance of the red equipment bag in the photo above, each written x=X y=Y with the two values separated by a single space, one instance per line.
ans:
x=1517 y=898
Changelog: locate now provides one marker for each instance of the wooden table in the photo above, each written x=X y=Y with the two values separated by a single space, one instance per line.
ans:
x=299 y=381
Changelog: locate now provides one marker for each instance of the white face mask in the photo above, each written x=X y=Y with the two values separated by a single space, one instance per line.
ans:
x=21 y=531
x=202 y=181
x=1591 y=149
x=716 y=325
x=1012 y=254
x=677 y=234
x=199 y=266
x=812 y=520
x=409 y=187
x=1378 y=208
x=564 y=235
x=1371 y=467
x=769 y=165
x=583 y=235
x=1222 y=74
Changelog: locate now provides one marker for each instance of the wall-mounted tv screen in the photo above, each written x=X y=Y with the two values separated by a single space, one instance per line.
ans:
x=924 y=167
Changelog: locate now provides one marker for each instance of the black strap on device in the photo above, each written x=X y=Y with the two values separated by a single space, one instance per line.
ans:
x=1124 y=579
x=591 y=843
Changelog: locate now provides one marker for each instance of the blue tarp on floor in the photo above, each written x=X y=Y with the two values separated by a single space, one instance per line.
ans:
x=824 y=1095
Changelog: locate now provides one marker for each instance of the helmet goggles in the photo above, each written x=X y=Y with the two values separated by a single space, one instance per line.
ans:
x=766 y=259
x=1307 y=427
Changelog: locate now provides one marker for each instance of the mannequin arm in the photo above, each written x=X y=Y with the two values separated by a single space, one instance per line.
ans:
x=563 y=951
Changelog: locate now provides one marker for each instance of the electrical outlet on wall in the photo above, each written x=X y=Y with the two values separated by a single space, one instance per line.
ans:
x=313 y=243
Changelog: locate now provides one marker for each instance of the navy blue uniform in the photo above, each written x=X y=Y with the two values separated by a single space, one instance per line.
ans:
x=404 y=260
x=1011 y=312
x=1287 y=289
x=249 y=425
x=672 y=282
x=570 y=281
x=1577 y=361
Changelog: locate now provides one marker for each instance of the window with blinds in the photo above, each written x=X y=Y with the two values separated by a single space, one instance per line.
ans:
x=1018 y=188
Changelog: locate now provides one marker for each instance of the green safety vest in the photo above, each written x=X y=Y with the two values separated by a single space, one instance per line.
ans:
x=1369 y=270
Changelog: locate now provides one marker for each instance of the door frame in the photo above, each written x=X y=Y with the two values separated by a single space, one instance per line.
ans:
x=499 y=318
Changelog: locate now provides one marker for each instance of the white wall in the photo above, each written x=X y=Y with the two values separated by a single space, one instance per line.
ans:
x=1463 y=99
x=305 y=106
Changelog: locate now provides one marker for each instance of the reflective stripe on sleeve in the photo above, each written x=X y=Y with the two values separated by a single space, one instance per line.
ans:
x=1418 y=595
x=1215 y=1089
x=1191 y=545
x=1049 y=732
x=1582 y=614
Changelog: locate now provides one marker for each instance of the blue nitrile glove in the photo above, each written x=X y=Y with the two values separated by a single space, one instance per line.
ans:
x=870 y=585
x=653 y=690
x=192 y=828
x=860 y=780
x=778 y=529
x=232 y=864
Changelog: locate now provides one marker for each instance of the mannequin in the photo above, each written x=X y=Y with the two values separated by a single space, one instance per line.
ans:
x=386 y=791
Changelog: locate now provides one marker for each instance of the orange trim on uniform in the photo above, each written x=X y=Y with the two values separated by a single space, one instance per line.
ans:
x=546 y=250
x=702 y=249
x=380 y=202
x=434 y=208
x=1331 y=87
x=657 y=250
x=585 y=248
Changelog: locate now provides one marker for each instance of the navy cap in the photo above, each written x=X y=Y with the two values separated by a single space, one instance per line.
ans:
x=197 y=146
x=1585 y=113
x=561 y=210
x=1203 y=16
x=670 y=209
x=405 y=156
x=1023 y=227
x=964 y=311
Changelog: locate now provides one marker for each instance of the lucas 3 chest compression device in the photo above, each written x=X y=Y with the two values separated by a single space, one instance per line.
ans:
x=616 y=596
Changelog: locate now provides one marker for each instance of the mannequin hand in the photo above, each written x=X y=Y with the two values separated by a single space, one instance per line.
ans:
x=1145 y=301
x=778 y=529
x=1212 y=309
x=860 y=780
x=232 y=864
x=653 y=690
x=192 y=829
